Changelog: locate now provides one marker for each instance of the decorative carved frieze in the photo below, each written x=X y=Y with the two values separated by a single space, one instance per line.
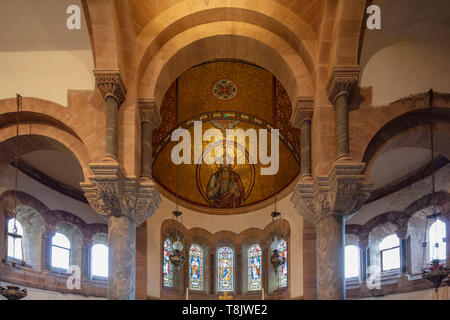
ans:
x=343 y=80
x=111 y=193
x=149 y=112
x=342 y=193
x=303 y=111
x=110 y=83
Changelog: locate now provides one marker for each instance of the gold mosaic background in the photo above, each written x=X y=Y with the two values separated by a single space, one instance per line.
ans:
x=190 y=97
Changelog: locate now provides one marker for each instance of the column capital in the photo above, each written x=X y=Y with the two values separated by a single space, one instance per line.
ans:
x=341 y=193
x=363 y=241
x=49 y=231
x=402 y=233
x=343 y=80
x=110 y=84
x=110 y=192
x=302 y=111
x=149 y=112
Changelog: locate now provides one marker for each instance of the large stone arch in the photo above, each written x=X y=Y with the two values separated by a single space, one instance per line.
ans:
x=73 y=120
x=234 y=40
x=44 y=137
x=370 y=128
x=269 y=15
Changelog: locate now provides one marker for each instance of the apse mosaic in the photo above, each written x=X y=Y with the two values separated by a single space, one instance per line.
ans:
x=225 y=95
x=225 y=269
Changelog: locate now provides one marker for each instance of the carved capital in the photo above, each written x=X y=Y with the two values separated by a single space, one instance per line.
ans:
x=110 y=84
x=109 y=192
x=303 y=111
x=340 y=193
x=149 y=112
x=343 y=80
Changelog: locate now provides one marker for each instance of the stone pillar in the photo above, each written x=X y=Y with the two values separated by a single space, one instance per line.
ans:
x=340 y=89
x=447 y=237
x=86 y=259
x=111 y=87
x=2 y=235
x=150 y=120
x=127 y=202
x=402 y=234
x=301 y=118
x=122 y=258
x=363 y=244
x=326 y=203
x=46 y=258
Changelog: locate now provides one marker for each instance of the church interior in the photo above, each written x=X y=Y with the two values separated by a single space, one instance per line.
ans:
x=346 y=101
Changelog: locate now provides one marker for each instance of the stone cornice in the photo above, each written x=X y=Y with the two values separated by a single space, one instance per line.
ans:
x=149 y=112
x=340 y=193
x=303 y=111
x=110 y=84
x=343 y=80
x=109 y=192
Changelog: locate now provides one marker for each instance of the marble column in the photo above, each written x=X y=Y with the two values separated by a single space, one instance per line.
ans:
x=402 y=234
x=330 y=258
x=122 y=258
x=341 y=113
x=340 y=89
x=301 y=118
x=150 y=120
x=112 y=127
x=126 y=202
x=447 y=237
x=111 y=87
x=326 y=203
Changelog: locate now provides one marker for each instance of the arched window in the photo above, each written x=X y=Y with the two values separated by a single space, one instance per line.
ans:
x=437 y=234
x=99 y=260
x=167 y=265
x=254 y=268
x=15 y=244
x=283 y=274
x=195 y=267
x=351 y=261
x=60 y=251
x=390 y=253
x=225 y=269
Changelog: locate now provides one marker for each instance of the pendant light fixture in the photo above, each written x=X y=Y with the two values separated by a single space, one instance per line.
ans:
x=276 y=259
x=435 y=272
x=177 y=257
x=14 y=292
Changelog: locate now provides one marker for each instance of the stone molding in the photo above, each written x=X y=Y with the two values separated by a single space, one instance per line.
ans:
x=110 y=192
x=303 y=111
x=343 y=80
x=110 y=84
x=149 y=112
x=340 y=193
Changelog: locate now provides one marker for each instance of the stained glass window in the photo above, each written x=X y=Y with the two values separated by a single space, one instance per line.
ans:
x=283 y=273
x=225 y=269
x=254 y=268
x=167 y=265
x=195 y=267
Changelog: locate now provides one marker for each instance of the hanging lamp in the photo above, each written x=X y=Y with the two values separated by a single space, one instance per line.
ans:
x=14 y=292
x=177 y=257
x=435 y=272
